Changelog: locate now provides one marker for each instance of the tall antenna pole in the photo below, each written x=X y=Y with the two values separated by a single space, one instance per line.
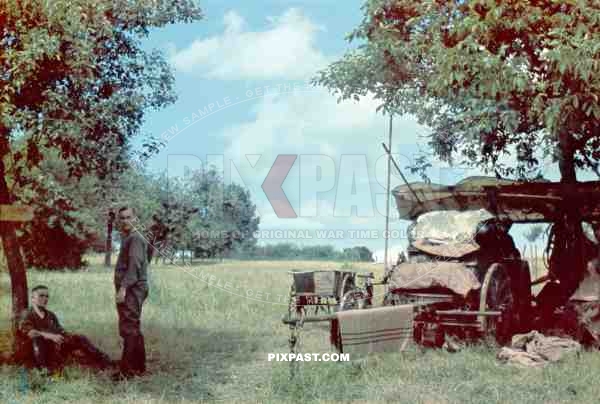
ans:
x=387 y=202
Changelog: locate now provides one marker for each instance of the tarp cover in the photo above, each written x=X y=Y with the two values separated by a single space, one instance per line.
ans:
x=447 y=250
x=455 y=276
x=515 y=200
x=448 y=226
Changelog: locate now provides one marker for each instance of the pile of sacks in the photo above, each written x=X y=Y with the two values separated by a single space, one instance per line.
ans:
x=537 y=350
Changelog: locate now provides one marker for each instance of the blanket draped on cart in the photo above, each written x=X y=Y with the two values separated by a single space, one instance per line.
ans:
x=360 y=332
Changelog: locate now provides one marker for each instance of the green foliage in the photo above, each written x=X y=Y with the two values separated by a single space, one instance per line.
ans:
x=227 y=216
x=75 y=78
x=358 y=253
x=67 y=214
x=488 y=78
x=75 y=83
x=199 y=213
x=70 y=213
x=51 y=247
x=290 y=251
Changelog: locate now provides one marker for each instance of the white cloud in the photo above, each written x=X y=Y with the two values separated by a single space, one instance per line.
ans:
x=286 y=50
x=314 y=123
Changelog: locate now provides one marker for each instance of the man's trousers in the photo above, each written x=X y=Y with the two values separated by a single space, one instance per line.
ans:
x=52 y=356
x=133 y=359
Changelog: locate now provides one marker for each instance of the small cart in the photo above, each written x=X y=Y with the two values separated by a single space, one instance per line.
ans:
x=314 y=291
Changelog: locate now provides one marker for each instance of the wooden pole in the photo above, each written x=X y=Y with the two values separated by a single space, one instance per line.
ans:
x=110 y=219
x=387 y=201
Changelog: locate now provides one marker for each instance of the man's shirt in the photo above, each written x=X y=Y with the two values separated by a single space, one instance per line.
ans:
x=32 y=321
x=132 y=264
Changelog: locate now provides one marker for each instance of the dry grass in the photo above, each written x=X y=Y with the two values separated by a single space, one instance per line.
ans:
x=206 y=344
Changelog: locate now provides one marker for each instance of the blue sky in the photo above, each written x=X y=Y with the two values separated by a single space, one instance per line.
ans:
x=241 y=77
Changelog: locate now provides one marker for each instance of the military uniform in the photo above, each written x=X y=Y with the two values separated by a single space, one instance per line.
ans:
x=131 y=272
x=43 y=353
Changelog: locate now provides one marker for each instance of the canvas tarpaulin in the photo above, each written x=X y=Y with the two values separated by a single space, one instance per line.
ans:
x=452 y=227
x=455 y=276
x=515 y=200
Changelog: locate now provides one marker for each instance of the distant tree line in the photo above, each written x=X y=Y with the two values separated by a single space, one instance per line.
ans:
x=290 y=251
x=74 y=215
x=196 y=216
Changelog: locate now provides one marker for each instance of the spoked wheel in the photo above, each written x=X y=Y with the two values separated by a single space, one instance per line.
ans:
x=353 y=299
x=292 y=308
x=390 y=299
x=497 y=294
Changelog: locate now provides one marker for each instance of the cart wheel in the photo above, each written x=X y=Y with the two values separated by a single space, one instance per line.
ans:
x=497 y=293
x=388 y=299
x=353 y=299
x=292 y=306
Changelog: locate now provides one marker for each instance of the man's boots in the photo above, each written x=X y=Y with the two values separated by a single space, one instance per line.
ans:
x=137 y=362
x=133 y=360
x=140 y=355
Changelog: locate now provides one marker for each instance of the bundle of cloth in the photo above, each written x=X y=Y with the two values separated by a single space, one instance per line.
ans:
x=537 y=350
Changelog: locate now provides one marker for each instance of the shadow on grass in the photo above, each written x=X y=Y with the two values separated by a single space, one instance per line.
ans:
x=182 y=364
x=191 y=362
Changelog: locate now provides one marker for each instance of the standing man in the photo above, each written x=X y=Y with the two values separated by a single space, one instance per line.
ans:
x=131 y=286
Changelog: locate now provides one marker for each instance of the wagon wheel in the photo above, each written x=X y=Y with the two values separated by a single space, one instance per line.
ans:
x=347 y=283
x=292 y=305
x=497 y=294
x=389 y=299
x=353 y=299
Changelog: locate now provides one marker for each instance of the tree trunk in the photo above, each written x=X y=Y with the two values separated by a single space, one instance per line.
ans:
x=10 y=244
x=566 y=160
x=109 y=230
x=567 y=260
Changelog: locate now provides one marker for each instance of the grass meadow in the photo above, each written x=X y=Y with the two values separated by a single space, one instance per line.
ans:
x=206 y=344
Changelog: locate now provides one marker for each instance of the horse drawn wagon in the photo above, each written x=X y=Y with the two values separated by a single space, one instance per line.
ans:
x=462 y=272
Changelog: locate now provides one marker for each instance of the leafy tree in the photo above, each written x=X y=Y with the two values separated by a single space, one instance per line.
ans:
x=66 y=215
x=318 y=252
x=290 y=251
x=488 y=77
x=74 y=78
x=285 y=250
x=357 y=253
x=170 y=229
x=516 y=78
x=226 y=219
x=70 y=213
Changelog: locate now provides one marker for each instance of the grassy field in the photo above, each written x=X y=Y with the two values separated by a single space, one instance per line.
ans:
x=205 y=343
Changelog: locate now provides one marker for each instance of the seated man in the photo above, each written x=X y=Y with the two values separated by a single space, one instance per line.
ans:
x=46 y=343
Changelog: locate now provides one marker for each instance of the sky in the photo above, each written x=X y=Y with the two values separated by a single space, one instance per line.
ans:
x=244 y=99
